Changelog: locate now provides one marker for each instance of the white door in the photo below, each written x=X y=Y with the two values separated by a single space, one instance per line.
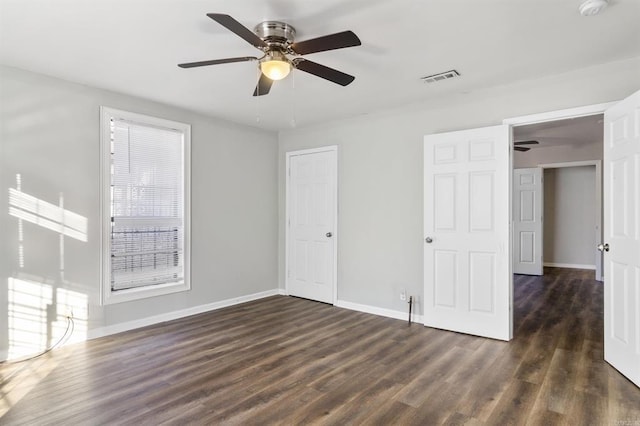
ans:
x=311 y=224
x=467 y=262
x=622 y=237
x=527 y=221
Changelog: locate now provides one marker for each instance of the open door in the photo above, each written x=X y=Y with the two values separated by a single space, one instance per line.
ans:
x=527 y=221
x=467 y=265
x=621 y=245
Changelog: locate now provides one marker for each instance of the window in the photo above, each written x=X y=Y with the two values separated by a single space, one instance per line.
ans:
x=145 y=206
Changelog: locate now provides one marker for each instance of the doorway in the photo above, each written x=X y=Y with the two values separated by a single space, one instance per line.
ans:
x=621 y=230
x=573 y=207
x=566 y=155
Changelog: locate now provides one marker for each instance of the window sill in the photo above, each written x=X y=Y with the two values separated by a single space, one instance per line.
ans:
x=120 y=296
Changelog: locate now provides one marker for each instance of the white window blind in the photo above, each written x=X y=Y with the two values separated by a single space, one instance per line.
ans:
x=147 y=205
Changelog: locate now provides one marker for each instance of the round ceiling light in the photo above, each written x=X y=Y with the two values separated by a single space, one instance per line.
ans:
x=275 y=65
x=592 y=7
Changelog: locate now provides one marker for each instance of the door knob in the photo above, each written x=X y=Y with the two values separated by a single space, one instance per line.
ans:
x=603 y=247
x=329 y=234
x=428 y=240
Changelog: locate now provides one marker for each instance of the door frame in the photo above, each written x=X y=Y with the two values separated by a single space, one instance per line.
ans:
x=598 y=189
x=336 y=235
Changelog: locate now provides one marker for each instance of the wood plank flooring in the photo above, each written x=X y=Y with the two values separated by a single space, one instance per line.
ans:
x=284 y=360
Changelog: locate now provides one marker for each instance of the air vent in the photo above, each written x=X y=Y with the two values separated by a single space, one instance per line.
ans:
x=440 y=77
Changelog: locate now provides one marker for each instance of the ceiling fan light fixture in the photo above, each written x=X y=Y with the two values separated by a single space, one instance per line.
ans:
x=275 y=65
x=276 y=69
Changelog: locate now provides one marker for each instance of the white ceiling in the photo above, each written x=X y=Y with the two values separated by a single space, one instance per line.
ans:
x=133 y=46
x=574 y=132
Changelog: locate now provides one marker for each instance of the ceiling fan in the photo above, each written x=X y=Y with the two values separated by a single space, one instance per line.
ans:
x=276 y=40
x=518 y=145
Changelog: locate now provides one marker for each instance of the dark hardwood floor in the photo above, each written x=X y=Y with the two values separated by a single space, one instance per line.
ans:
x=284 y=360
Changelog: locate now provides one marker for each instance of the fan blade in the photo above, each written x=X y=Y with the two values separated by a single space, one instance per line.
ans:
x=521 y=148
x=328 y=42
x=526 y=143
x=240 y=30
x=327 y=73
x=217 y=61
x=264 y=85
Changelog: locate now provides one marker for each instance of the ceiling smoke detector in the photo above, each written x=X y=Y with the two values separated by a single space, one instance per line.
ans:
x=592 y=7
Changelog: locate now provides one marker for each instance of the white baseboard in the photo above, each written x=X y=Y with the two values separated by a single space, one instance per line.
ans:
x=569 y=265
x=389 y=313
x=143 y=322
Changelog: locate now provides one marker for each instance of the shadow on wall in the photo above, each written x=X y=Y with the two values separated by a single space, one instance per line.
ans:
x=41 y=311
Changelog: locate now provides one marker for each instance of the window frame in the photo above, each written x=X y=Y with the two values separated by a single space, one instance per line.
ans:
x=108 y=296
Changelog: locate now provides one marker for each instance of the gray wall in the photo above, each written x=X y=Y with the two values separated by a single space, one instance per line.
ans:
x=49 y=133
x=570 y=215
x=380 y=172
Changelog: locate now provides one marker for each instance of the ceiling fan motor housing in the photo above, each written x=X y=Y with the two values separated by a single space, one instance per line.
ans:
x=276 y=34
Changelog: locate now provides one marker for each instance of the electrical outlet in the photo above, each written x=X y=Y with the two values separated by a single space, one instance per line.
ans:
x=403 y=295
